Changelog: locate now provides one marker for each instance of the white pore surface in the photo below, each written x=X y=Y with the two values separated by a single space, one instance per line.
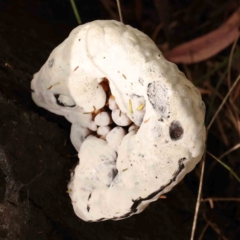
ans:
x=120 y=176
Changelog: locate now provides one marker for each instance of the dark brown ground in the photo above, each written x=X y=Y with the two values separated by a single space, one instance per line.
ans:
x=36 y=155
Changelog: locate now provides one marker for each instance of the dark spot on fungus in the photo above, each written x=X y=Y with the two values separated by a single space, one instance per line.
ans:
x=32 y=90
x=100 y=219
x=141 y=81
x=76 y=68
x=89 y=196
x=175 y=131
x=50 y=63
x=114 y=173
x=88 y=208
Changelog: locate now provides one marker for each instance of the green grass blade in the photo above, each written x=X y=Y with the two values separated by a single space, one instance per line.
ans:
x=226 y=166
x=74 y=7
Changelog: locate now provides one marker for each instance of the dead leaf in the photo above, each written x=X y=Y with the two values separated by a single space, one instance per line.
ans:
x=207 y=45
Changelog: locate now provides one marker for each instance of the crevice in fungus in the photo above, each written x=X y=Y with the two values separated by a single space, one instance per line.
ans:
x=114 y=173
x=63 y=104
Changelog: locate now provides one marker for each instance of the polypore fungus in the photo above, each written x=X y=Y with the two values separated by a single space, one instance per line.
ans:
x=137 y=122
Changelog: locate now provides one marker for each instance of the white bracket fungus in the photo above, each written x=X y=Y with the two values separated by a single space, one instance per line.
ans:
x=137 y=122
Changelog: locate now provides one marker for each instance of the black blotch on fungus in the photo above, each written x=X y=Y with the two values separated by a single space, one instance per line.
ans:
x=50 y=63
x=180 y=168
x=88 y=208
x=138 y=201
x=101 y=219
x=32 y=90
x=60 y=103
x=176 y=131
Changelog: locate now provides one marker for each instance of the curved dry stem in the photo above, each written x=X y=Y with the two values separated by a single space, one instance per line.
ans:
x=230 y=61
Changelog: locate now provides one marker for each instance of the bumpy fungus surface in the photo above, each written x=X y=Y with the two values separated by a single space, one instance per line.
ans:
x=137 y=122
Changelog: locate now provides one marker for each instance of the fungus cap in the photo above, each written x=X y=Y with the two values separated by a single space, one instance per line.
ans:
x=120 y=176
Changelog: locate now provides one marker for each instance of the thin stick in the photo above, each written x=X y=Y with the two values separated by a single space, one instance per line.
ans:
x=223 y=102
x=119 y=10
x=214 y=227
x=198 y=199
x=203 y=231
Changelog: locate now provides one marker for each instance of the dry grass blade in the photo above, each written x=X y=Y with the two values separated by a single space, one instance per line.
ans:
x=203 y=231
x=230 y=61
x=230 y=150
x=109 y=7
x=208 y=45
x=223 y=102
x=74 y=7
x=119 y=10
x=214 y=227
x=225 y=165
x=221 y=199
x=198 y=199
x=220 y=125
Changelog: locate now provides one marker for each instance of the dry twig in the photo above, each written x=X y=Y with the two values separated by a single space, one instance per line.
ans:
x=198 y=199
x=119 y=10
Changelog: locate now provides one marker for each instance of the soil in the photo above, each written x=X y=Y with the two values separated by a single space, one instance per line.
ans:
x=36 y=155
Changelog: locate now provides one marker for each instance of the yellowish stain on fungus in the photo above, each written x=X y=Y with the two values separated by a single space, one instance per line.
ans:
x=146 y=120
x=130 y=107
x=53 y=85
x=141 y=107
